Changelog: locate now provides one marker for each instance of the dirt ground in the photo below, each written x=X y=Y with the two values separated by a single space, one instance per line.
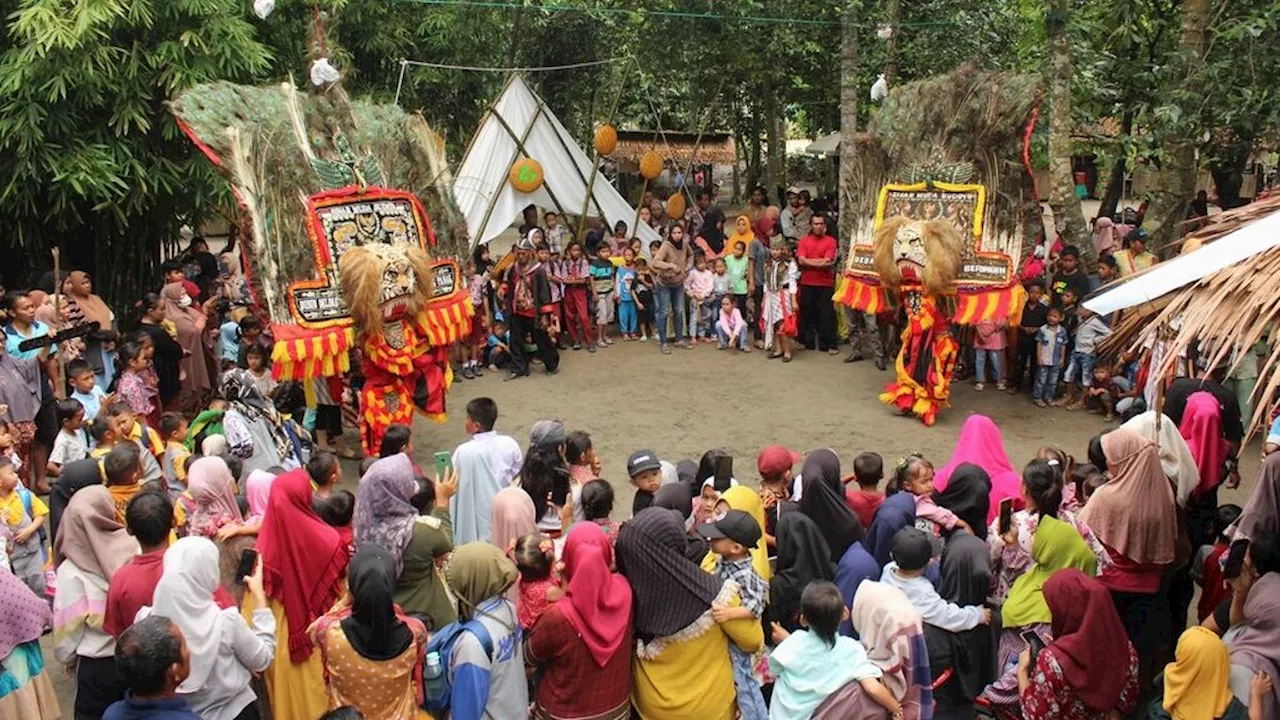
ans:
x=630 y=396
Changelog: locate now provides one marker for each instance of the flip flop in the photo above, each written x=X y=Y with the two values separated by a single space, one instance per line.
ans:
x=786 y=358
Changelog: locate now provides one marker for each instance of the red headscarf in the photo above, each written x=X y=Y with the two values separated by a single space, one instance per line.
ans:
x=597 y=602
x=764 y=229
x=303 y=559
x=1202 y=429
x=1090 y=642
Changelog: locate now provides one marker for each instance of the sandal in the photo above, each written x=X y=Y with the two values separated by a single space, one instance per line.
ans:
x=774 y=356
x=786 y=358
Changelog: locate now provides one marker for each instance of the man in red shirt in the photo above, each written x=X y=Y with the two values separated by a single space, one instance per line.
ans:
x=816 y=258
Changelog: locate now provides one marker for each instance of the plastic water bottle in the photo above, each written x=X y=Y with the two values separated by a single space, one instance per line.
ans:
x=434 y=676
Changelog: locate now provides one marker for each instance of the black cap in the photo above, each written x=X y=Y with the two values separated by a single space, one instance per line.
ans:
x=736 y=525
x=911 y=548
x=642 y=461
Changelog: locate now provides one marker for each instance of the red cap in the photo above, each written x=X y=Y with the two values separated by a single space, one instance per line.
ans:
x=775 y=460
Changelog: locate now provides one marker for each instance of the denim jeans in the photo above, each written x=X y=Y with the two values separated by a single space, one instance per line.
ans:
x=724 y=337
x=980 y=358
x=627 y=317
x=750 y=700
x=700 y=318
x=670 y=301
x=1080 y=369
x=1046 y=382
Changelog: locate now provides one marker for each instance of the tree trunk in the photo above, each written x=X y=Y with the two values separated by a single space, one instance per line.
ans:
x=754 y=169
x=1228 y=173
x=1175 y=184
x=1068 y=219
x=513 y=43
x=848 y=120
x=1115 y=186
x=777 y=146
x=893 y=9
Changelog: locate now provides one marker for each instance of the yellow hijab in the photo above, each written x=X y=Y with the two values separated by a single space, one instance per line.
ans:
x=1195 y=683
x=742 y=233
x=747 y=500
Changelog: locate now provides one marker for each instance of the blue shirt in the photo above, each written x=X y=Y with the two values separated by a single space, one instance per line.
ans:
x=1051 y=345
x=229 y=341
x=494 y=339
x=129 y=708
x=12 y=338
x=626 y=279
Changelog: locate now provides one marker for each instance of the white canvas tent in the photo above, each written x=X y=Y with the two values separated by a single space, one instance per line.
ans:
x=519 y=125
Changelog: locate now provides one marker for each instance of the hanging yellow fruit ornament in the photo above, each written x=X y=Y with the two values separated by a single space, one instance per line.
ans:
x=676 y=206
x=650 y=165
x=606 y=139
x=526 y=175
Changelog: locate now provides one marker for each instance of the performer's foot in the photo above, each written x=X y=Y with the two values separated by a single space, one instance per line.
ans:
x=512 y=376
x=854 y=356
x=880 y=364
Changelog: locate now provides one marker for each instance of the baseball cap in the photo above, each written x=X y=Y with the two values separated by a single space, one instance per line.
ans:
x=793 y=190
x=911 y=548
x=736 y=525
x=642 y=461
x=775 y=460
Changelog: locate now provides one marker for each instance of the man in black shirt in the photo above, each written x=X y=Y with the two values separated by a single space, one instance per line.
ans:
x=1034 y=315
x=1069 y=276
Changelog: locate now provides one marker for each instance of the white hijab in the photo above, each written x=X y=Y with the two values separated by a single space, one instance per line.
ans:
x=185 y=596
x=1175 y=456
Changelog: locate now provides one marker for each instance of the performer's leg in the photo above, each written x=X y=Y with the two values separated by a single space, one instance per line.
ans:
x=520 y=326
x=826 y=319
x=546 y=350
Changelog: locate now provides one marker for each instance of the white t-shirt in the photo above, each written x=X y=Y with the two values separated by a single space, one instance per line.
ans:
x=68 y=447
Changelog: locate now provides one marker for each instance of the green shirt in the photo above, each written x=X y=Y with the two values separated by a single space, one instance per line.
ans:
x=419 y=589
x=736 y=269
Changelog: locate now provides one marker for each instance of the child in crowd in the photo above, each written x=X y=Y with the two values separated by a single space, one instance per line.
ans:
x=988 y=352
x=7 y=447
x=84 y=388
x=597 y=506
x=1100 y=396
x=814 y=662
x=619 y=239
x=698 y=286
x=255 y=356
x=228 y=344
x=731 y=328
x=499 y=350
x=719 y=284
x=1091 y=331
x=868 y=471
x=1034 y=314
x=128 y=429
x=1206 y=570
x=69 y=446
x=132 y=386
x=1085 y=479
x=472 y=348
x=24 y=516
x=556 y=234
x=775 y=464
x=626 y=293
x=915 y=475
x=644 y=299
x=736 y=266
x=534 y=555
x=575 y=273
x=337 y=510
x=103 y=434
x=173 y=428
x=122 y=470
x=732 y=538
x=250 y=335
x=778 y=300
x=645 y=470
x=326 y=472
x=1051 y=349
x=397 y=439
x=1070 y=311
x=602 y=284
x=911 y=553
x=557 y=291
x=584 y=466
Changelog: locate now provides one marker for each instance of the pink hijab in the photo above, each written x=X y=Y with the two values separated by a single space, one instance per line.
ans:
x=257 y=488
x=1202 y=429
x=980 y=443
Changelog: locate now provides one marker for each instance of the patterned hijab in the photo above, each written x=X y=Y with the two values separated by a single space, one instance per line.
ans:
x=384 y=516
x=24 y=614
x=245 y=398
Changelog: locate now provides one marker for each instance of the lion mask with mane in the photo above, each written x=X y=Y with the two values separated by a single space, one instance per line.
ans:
x=382 y=283
x=930 y=250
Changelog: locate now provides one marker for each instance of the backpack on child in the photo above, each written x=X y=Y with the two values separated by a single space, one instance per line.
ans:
x=437 y=688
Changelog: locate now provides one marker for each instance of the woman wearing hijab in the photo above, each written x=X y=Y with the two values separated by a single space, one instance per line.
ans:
x=969 y=657
x=711 y=239
x=190 y=325
x=1254 y=639
x=1135 y=517
x=213 y=491
x=674 y=623
x=803 y=556
x=968 y=495
x=893 y=634
x=479 y=575
x=856 y=566
x=896 y=512
x=1196 y=682
x=91 y=546
x=747 y=500
x=372 y=651
x=1261 y=512
x=384 y=517
x=1055 y=545
x=586 y=634
x=26 y=691
x=257 y=490
x=511 y=517
x=419 y=589
x=167 y=358
x=1201 y=428
x=679 y=497
x=981 y=444
x=253 y=427
x=1089 y=670
x=225 y=651
x=303 y=565
x=742 y=235
x=1104 y=237
x=75 y=476
x=90 y=308
x=822 y=499
x=1176 y=460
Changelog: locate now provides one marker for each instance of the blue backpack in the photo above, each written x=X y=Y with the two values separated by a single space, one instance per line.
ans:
x=438 y=696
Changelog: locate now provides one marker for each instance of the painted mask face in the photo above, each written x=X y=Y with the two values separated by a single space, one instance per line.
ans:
x=398 y=281
x=908 y=252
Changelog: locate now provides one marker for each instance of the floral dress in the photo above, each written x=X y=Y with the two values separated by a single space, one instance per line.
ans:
x=1048 y=697
x=1009 y=562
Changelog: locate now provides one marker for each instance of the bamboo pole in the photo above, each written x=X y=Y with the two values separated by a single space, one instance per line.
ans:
x=595 y=169
x=59 y=383
x=635 y=225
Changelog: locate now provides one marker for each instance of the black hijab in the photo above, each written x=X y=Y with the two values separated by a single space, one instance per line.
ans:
x=968 y=495
x=711 y=232
x=803 y=556
x=75 y=475
x=896 y=512
x=671 y=591
x=676 y=496
x=822 y=499
x=971 y=655
x=373 y=629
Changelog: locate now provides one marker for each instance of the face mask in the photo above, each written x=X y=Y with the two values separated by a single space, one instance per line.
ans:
x=185 y=301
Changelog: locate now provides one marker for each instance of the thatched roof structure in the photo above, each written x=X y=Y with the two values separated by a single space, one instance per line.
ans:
x=1224 y=311
x=713 y=148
